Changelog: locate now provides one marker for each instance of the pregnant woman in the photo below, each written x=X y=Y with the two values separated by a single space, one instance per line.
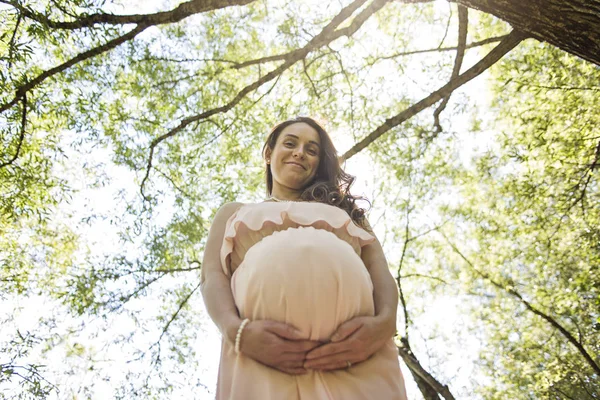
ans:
x=299 y=286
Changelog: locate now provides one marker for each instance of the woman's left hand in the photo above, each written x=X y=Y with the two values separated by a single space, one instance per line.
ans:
x=354 y=341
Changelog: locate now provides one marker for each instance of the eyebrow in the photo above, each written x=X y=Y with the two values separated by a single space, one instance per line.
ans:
x=310 y=141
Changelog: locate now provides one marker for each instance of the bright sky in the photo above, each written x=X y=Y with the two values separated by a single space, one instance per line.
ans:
x=102 y=235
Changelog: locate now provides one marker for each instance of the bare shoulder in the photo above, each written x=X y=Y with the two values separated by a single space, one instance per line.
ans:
x=217 y=228
x=367 y=226
x=227 y=210
x=230 y=207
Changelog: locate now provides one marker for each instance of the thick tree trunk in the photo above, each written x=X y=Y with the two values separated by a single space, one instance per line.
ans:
x=571 y=25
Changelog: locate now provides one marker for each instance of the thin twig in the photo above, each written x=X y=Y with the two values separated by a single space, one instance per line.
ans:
x=309 y=78
x=338 y=57
x=399 y=271
x=186 y=194
x=176 y=313
x=567 y=88
x=463 y=23
x=22 y=134
x=168 y=324
x=11 y=43
x=447 y=26
x=426 y=277
x=494 y=39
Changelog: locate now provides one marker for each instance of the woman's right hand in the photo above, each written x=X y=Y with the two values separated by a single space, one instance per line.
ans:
x=277 y=345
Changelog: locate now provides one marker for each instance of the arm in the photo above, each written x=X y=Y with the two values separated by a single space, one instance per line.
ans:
x=385 y=291
x=215 y=285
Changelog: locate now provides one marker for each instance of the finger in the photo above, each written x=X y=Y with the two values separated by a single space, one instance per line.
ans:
x=284 y=330
x=294 y=357
x=346 y=329
x=329 y=361
x=335 y=365
x=292 y=364
x=300 y=346
x=328 y=350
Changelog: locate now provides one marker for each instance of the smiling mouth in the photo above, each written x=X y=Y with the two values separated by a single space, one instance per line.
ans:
x=300 y=165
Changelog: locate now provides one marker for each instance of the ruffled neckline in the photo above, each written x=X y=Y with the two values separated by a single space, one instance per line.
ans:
x=255 y=217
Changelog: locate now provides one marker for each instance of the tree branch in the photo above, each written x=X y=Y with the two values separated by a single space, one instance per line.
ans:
x=463 y=23
x=20 y=92
x=176 y=313
x=167 y=177
x=180 y=12
x=447 y=26
x=338 y=58
x=11 y=43
x=596 y=162
x=567 y=88
x=224 y=129
x=399 y=272
x=143 y=22
x=572 y=26
x=427 y=384
x=417 y=369
x=435 y=278
x=33 y=377
x=327 y=35
x=588 y=173
x=186 y=60
x=278 y=57
x=506 y=45
x=468 y=46
x=126 y=298
x=309 y=78
x=21 y=135
x=554 y=323
x=169 y=322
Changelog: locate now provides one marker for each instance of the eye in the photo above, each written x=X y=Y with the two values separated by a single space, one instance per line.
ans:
x=288 y=144
x=313 y=152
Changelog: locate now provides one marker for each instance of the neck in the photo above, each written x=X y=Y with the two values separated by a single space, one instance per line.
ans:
x=279 y=193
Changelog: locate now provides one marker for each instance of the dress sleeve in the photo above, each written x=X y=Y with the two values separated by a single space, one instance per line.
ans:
x=227 y=246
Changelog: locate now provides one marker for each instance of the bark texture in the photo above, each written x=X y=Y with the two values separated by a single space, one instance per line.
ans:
x=573 y=25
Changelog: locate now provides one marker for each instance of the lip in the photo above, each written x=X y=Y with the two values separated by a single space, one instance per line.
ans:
x=298 y=164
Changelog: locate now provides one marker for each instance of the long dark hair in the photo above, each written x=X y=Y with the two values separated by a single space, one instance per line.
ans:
x=331 y=184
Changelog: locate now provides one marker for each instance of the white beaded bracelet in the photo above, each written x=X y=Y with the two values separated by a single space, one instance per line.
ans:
x=238 y=337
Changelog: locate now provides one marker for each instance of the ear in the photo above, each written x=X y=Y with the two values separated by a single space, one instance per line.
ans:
x=267 y=153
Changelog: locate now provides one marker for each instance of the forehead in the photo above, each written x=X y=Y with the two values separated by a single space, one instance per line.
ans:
x=303 y=131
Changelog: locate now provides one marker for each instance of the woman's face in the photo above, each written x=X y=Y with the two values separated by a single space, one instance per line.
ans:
x=295 y=158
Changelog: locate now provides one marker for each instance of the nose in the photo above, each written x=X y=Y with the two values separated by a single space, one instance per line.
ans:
x=299 y=152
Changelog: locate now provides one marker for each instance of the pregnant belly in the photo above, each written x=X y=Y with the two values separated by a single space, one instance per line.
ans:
x=306 y=277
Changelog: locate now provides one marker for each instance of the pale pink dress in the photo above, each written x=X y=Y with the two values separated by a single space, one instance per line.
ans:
x=299 y=263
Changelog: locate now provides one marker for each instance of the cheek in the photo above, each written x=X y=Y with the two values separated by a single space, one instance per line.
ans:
x=281 y=153
x=315 y=165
